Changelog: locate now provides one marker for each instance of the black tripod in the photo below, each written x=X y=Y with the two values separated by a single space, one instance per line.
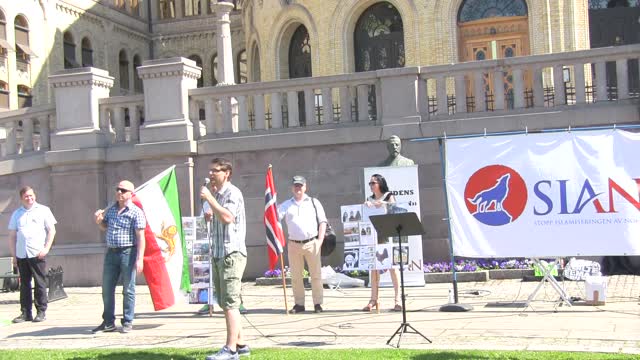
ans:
x=398 y=225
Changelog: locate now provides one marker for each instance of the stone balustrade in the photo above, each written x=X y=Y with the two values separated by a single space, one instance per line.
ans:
x=177 y=111
x=570 y=78
x=26 y=130
x=287 y=104
x=122 y=116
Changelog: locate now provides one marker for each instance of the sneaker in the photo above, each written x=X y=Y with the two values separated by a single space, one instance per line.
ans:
x=40 y=317
x=204 y=310
x=243 y=350
x=224 y=354
x=317 y=308
x=296 y=309
x=22 y=318
x=104 y=328
x=243 y=310
x=127 y=327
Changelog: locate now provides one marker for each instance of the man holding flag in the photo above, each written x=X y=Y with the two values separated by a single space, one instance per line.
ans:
x=229 y=252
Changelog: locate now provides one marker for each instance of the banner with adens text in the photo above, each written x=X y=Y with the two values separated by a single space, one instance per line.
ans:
x=166 y=266
x=544 y=195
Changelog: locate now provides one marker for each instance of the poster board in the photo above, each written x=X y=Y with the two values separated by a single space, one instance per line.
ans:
x=197 y=243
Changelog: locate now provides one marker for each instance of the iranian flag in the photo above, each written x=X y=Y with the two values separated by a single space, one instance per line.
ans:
x=166 y=266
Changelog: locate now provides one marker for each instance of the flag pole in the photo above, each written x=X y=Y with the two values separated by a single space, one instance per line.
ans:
x=284 y=285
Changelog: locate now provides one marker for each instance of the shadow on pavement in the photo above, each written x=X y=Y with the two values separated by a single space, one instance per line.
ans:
x=73 y=330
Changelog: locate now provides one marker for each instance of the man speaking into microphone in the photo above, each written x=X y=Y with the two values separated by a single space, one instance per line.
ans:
x=229 y=252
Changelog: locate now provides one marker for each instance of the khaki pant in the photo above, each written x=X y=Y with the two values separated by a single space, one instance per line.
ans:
x=298 y=253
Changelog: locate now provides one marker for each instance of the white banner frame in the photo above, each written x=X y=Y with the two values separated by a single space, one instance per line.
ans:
x=572 y=182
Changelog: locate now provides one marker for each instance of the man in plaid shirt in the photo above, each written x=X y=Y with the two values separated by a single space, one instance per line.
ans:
x=229 y=252
x=124 y=224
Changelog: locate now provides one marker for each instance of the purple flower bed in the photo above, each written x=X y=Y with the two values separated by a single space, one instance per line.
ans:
x=276 y=273
x=470 y=265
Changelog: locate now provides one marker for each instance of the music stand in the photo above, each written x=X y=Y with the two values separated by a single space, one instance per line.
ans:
x=391 y=225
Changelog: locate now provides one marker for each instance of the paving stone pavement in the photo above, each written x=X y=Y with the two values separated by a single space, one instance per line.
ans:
x=498 y=321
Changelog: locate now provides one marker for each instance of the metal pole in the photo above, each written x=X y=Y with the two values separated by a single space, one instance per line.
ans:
x=455 y=307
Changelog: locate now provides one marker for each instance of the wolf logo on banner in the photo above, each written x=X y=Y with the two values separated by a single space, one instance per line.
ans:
x=496 y=195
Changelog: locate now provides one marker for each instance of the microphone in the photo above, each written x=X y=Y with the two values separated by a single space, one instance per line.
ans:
x=205 y=183
x=203 y=202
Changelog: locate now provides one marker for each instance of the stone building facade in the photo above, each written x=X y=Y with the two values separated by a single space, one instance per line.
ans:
x=434 y=32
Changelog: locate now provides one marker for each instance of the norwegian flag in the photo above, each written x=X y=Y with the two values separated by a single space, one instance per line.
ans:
x=275 y=235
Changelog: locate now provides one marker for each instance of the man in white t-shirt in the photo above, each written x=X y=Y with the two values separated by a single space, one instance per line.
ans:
x=306 y=225
x=31 y=232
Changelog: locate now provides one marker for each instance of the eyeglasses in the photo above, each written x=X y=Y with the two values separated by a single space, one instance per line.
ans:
x=122 y=191
x=212 y=171
x=371 y=183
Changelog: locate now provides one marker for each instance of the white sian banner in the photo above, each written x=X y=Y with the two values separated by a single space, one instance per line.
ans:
x=544 y=195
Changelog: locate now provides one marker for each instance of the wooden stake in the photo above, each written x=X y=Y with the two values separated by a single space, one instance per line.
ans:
x=284 y=285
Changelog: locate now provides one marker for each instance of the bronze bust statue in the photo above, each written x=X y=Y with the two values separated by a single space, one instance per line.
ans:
x=394 y=146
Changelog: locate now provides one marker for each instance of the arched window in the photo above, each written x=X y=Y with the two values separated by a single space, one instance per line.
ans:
x=24 y=96
x=124 y=70
x=137 y=82
x=473 y=10
x=241 y=67
x=87 y=52
x=300 y=54
x=4 y=44
x=379 y=38
x=167 y=9
x=23 y=51
x=255 y=64
x=214 y=70
x=191 y=7
x=198 y=61
x=4 y=95
x=69 y=51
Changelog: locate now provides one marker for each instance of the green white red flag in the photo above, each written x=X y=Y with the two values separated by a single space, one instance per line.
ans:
x=166 y=265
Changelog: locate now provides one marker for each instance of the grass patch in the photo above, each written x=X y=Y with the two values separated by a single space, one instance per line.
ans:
x=301 y=354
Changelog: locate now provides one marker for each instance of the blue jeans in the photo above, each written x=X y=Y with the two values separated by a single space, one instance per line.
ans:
x=119 y=261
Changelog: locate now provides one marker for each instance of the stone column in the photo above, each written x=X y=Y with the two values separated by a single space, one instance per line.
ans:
x=225 y=53
x=225 y=65
x=77 y=180
x=166 y=99
x=77 y=92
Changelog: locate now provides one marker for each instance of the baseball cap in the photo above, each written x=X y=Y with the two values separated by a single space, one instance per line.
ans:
x=299 y=180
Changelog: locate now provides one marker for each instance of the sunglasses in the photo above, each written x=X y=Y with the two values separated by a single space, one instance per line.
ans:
x=122 y=191
x=372 y=183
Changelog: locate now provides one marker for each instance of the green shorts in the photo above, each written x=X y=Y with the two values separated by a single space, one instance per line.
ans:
x=227 y=278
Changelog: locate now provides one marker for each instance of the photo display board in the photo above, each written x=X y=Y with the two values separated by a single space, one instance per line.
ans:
x=363 y=250
x=197 y=243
